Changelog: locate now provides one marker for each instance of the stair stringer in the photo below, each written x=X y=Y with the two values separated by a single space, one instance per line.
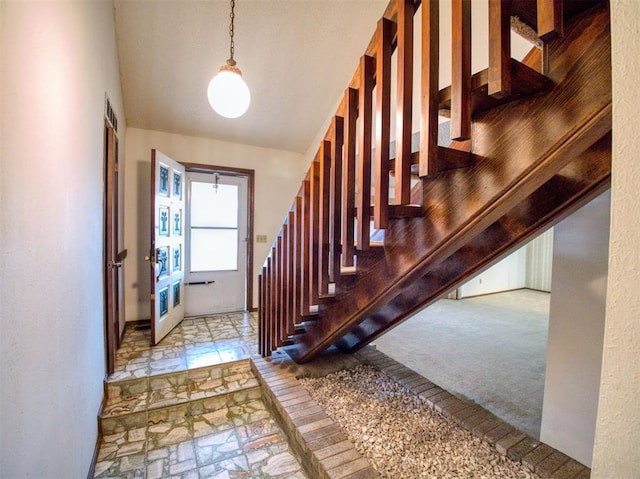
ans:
x=518 y=148
x=581 y=181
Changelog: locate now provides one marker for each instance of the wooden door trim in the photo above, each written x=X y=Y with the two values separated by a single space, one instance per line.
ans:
x=110 y=246
x=250 y=174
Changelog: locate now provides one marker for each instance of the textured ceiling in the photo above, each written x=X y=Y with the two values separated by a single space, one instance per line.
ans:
x=297 y=56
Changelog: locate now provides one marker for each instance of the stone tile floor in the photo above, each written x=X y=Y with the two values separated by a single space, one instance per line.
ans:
x=193 y=343
x=239 y=439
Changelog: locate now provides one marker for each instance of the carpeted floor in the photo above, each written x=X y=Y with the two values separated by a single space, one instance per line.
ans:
x=489 y=349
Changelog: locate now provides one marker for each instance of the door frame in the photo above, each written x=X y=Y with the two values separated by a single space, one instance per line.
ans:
x=112 y=257
x=250 y=174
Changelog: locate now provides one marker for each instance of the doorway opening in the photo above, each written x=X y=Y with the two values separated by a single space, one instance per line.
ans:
x=217 y=241
x=113 y=254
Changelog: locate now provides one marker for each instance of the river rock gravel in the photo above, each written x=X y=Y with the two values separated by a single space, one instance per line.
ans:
x=400 y=434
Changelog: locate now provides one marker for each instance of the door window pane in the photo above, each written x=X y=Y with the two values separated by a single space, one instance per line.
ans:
x=214 y=206
x=214 y=250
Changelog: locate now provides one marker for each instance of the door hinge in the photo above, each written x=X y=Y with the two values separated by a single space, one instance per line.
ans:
x=152 y=297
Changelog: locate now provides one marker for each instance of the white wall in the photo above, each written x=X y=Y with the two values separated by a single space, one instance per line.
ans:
x=527 y=267
x=507 y=274
x=58 y=59
x=617 y=445
x=576 y=327
x=539 y=262
x=278 y=176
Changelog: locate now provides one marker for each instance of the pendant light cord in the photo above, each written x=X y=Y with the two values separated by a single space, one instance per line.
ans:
x=232 y=16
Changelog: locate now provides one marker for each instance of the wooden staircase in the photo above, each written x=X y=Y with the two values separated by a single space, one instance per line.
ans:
x=527 y=149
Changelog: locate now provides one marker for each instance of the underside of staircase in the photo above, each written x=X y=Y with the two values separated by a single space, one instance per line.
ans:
x=531 y=143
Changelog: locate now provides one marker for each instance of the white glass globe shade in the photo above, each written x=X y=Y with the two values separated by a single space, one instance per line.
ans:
x=228 y=94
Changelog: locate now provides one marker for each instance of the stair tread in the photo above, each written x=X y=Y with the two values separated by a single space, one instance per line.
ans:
x=526 y=82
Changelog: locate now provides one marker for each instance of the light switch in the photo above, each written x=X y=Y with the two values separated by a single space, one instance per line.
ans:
x=261 y=238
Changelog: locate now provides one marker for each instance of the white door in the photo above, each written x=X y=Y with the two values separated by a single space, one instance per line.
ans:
x=167 y=245
x=216 y=235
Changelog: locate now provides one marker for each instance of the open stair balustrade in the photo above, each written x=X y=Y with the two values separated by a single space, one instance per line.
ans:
x=527 y=149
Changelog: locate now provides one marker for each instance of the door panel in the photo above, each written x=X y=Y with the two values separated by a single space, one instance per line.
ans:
x=216 y=238
x=113 y=261
x=167 y=245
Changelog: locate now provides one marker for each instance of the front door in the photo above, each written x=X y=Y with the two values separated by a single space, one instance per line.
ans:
x=216 y=234
x=167 y=245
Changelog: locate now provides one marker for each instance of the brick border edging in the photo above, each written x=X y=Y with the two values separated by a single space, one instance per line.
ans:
x=319 y=443
x=536 y=456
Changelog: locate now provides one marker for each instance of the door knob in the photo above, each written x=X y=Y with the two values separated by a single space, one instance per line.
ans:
x=113 y=264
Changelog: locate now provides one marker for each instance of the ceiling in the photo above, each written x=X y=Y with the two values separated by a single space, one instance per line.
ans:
x=297 y=57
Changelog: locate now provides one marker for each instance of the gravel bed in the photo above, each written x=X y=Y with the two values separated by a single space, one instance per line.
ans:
x=400 y=434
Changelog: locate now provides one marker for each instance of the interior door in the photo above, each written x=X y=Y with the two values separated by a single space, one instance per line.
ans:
x=217 y=235
x=113 y=259
x=167 y=245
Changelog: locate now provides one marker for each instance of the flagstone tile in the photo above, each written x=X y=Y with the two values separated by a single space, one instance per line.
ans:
x=235 y=467
x=126 y=467
x=171 y=461
x=216 y=447
x=168 y=365
x=123 y=423
x=277 y=466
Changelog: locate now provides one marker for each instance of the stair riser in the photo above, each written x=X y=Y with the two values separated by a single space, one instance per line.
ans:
x=140 y=419
x=130 y=387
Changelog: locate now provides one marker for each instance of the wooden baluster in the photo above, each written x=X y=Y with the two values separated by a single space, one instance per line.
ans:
x=315 y=231
x=499 y=48
x=404 y=113
x=305 y=260
x=461 y=70
x=290 y=286
x=283 y=279
x=260 y=314
x=297 y=288
x=428 y=165
x=336 y=197
x=270 y=331
x=367 y=71
x=278 y=289
x=324 y=203
x=383 y=122
x=349 y=179
x=550 y=21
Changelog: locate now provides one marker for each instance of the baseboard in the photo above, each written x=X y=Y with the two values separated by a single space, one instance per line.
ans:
x=94 y=459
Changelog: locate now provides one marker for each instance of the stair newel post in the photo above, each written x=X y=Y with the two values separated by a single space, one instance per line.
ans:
x=349 y=177
x=290 y=285
x=315 y=232
x=336 y=197
x=428 y=165
x=461 y=70
x=305 y=260
x=384 y=36
x=404 y=115
x=297 y=283
x=324 y=228
x=365 y=112
x=550 y=21
x=499 y=48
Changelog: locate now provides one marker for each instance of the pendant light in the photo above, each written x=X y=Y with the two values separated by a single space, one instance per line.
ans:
x=228 y=94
